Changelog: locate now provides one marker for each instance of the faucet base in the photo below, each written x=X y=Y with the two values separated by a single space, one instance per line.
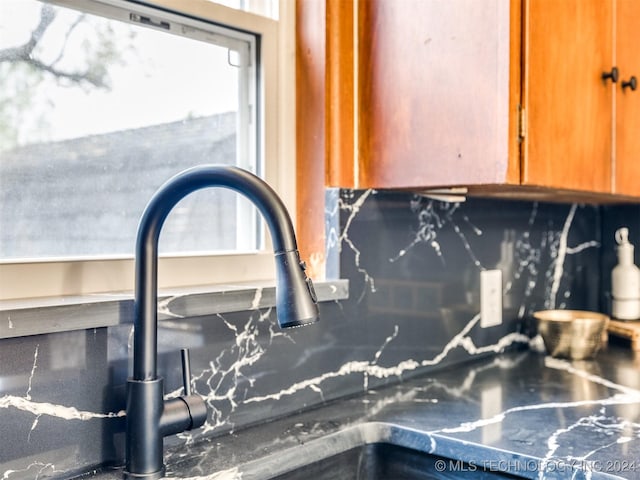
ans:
x=144 y=439
x=146 y=476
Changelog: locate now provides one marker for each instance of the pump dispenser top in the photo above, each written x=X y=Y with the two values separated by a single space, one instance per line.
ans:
x=625 y=280
x=625 y=249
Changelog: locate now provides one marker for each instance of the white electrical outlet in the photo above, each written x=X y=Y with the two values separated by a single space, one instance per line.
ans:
x=490 y=298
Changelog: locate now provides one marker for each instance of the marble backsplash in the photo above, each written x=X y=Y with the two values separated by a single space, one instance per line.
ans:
x=414 y=269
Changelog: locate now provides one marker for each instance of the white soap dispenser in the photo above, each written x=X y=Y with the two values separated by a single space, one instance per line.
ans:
x=625 y=281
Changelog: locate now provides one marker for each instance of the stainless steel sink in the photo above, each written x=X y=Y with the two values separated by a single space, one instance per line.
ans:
x=383 y=461
x=382 y=451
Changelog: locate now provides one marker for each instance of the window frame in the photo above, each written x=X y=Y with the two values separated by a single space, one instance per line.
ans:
x=23 y=279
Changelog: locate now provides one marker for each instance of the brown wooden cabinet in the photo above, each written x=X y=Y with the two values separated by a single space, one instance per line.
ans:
x=488 y=94
x=582 y=129
x=418 y=92
x=568 y=105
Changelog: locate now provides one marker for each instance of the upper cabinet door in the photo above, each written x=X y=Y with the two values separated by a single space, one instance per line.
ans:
x=428 y=98
x=627 y=156
x=568 y=142
x=506 y=96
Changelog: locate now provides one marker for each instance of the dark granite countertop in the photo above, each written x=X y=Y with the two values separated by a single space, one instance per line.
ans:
x=521 y=412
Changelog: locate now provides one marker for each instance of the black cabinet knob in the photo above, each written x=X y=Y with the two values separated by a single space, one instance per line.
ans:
x=632 y=84
x=613 y=75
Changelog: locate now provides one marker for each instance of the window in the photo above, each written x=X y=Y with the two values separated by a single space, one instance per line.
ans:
x=101 y=103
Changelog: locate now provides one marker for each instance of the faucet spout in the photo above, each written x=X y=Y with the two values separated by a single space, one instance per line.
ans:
x=149 y=417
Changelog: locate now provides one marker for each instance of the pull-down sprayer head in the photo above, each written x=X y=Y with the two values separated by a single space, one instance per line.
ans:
x=295 y=297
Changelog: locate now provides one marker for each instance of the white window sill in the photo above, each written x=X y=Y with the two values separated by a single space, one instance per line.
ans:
x=19 y=318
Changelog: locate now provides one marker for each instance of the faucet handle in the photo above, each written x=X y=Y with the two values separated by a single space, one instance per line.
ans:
x=187 y=411
x=186 y=371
